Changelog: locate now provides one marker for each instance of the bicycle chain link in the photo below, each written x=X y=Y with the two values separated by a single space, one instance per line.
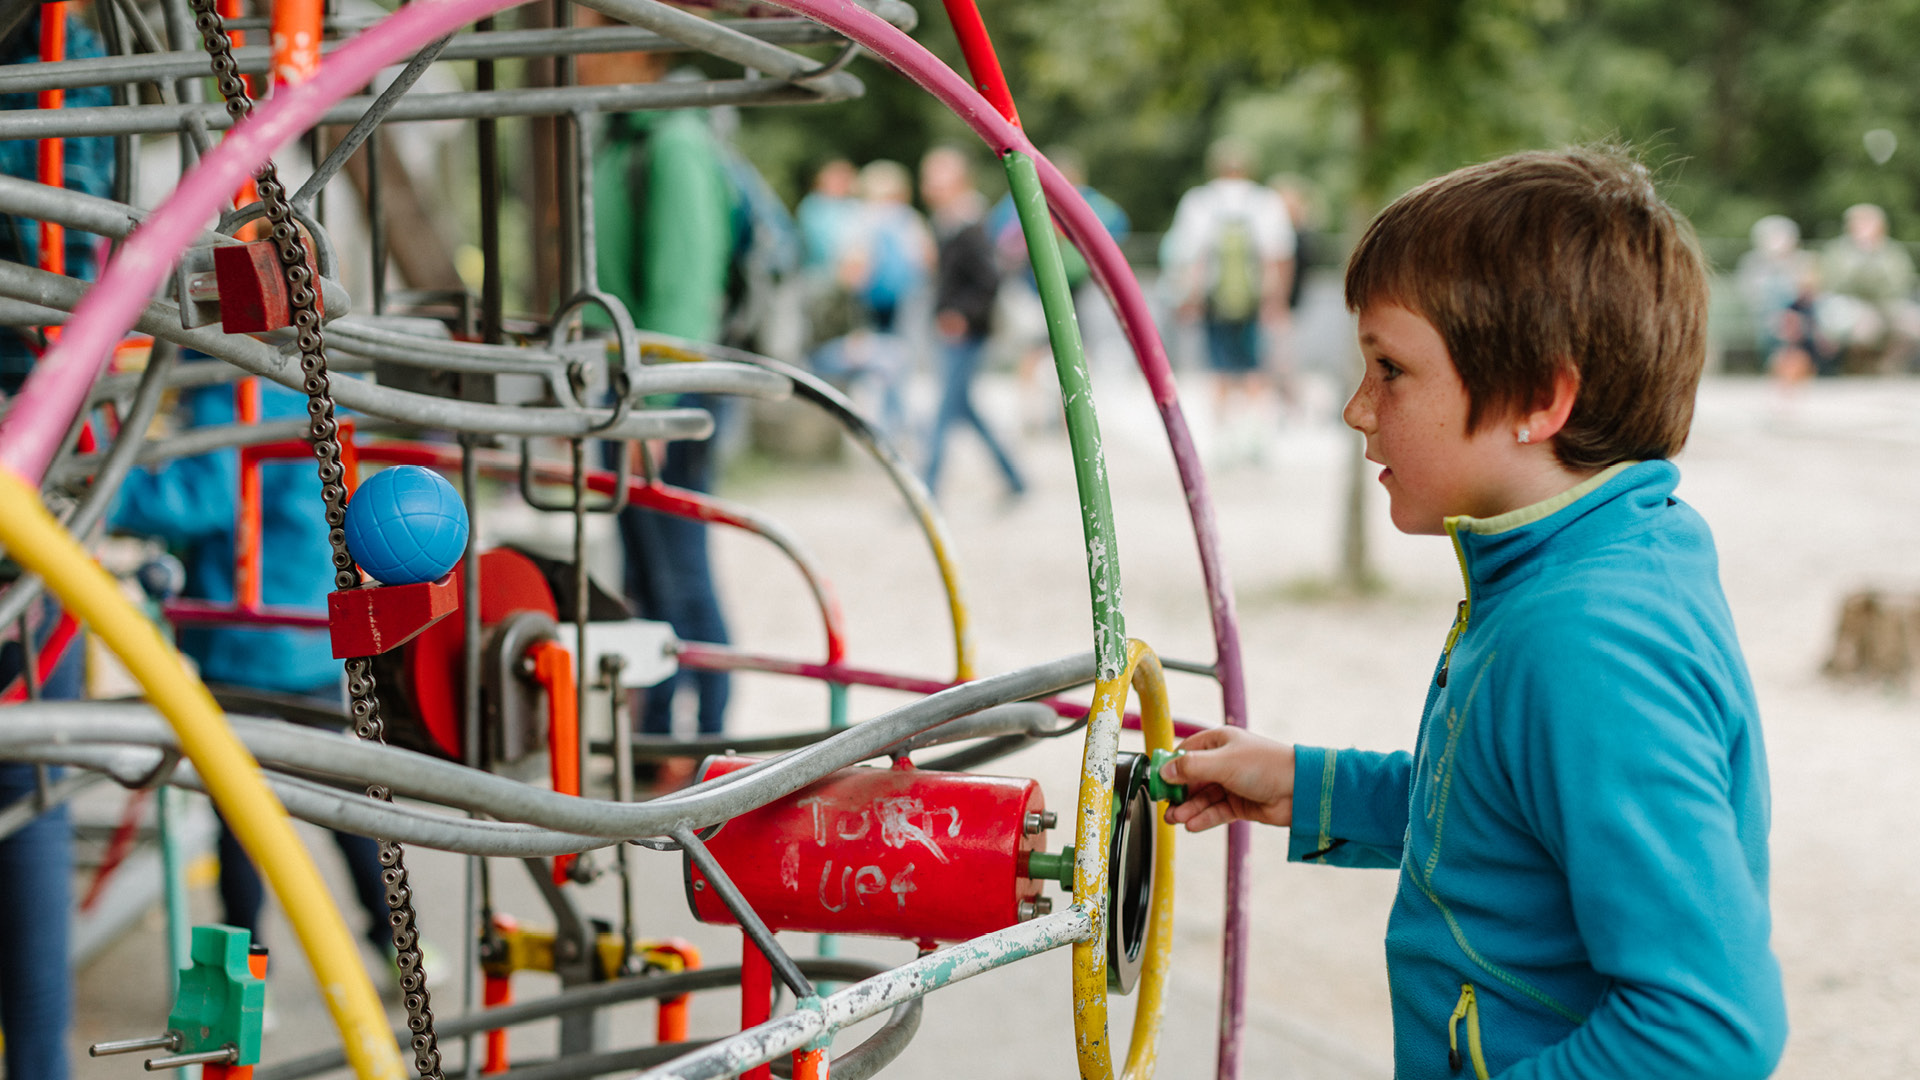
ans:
x=324 y=432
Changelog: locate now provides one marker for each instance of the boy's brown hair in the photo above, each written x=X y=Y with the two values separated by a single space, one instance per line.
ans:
x=1542 y=261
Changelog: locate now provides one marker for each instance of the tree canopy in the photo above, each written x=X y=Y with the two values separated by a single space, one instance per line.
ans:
x=1743 y=107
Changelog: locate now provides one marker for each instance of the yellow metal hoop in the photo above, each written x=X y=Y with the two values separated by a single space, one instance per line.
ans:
x=1092 y=835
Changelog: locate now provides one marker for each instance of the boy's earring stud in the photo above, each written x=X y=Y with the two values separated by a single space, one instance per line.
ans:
x=1525 y=435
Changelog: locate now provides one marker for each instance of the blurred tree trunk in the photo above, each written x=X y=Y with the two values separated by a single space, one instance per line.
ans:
x=1356 y=566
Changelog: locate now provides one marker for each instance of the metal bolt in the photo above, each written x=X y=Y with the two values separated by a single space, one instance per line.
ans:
x=1028 y=909
x=1040 y=821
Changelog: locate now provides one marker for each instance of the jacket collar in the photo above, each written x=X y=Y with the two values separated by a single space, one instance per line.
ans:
x=1494 y=552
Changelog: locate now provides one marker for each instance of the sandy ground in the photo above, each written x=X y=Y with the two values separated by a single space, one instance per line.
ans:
x=1808 y=498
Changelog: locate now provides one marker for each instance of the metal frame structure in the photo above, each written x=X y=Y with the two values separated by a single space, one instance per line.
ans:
x=189 y=744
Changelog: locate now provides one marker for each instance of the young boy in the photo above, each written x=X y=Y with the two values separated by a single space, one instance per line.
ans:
x=1581 y=830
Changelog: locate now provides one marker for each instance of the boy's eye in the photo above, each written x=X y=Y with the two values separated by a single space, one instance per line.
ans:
x=1389 y=370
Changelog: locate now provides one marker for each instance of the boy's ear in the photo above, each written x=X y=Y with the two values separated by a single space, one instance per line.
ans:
x=1551 y=411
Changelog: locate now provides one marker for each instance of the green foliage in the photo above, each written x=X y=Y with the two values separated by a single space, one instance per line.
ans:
x=1744 y=107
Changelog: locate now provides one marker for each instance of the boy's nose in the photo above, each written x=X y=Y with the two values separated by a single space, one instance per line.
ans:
x=1359 y=411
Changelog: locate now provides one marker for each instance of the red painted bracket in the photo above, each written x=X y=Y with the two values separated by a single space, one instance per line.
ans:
x=253 y=288
x=368 y=620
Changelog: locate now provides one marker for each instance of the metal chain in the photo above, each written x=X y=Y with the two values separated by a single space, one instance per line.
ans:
x=324 y=433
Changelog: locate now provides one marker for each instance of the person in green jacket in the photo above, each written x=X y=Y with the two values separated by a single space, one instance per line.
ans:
x=664 y=242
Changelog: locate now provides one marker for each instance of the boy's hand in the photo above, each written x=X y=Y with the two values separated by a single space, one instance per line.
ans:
x=1231 y=775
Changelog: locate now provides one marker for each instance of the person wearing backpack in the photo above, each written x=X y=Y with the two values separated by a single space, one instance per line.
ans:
x=1229 y=261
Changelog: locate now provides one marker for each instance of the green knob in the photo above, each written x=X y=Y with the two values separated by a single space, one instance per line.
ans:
x=1162 y=790
x=1046 y=866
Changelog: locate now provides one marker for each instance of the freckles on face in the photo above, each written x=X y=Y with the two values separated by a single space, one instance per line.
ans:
x=1412 y=408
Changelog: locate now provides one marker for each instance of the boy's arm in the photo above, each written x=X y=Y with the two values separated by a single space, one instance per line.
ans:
x=1346 y=807
x=1350 y=807
x=1625 y=773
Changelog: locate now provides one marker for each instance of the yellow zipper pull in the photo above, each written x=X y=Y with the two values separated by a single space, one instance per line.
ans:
x=1453 y=1026
x=1453 y=636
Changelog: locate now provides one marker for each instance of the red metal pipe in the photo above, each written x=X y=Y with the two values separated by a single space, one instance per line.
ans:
x=982 y=62
x=52 y=651
x=756 y=997
x=210 y=613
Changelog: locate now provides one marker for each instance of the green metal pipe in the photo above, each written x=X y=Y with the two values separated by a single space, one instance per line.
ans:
x=1083 y=426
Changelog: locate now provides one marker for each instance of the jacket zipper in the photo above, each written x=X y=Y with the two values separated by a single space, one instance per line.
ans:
x=1462 y=613
x=1468 y=1009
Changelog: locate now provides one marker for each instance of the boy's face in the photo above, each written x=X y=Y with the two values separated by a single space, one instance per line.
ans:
x=1412 y=408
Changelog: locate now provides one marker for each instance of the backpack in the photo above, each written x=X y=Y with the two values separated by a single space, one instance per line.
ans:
x=1233 y=281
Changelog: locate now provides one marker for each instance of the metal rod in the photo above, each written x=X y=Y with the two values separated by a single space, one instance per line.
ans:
x=363 y=128
x=472 y=752
x=582 y=586
x=611 y=667
x=376 y=216
x=162 y=320
x=129 y=1046
x=226 y=1055
x=54 y=725
x=749 y=919
x=159 y=64
x=470 y=105
x=598 y=995
x=492 y=284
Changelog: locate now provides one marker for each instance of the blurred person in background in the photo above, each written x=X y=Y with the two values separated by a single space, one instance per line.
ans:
x=829 y=215
x=882 y=266
x=1229 y=261
x=965 y=285
x=1040 y=393
x=665 y=236
x=829 y=221
x=36 y=860
x=1780 y=281
x=1870 y=309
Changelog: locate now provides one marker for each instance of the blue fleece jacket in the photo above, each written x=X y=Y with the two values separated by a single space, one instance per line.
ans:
x=1581 y=830
x=191 y=505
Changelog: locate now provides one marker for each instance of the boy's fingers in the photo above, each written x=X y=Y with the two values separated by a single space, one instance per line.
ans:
x=1206 y=739
x=1198 y=803
x=1198 y=765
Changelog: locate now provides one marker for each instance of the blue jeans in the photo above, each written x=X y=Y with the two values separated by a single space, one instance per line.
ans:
x=669 y=578
x=1233 y=348
x=962 y=357
x=36 y=904
x=242 y=894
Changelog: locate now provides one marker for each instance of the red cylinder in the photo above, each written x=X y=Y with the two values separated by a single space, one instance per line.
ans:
x=901 y=852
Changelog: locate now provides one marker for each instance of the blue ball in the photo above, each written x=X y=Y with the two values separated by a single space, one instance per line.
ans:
x=406 y=524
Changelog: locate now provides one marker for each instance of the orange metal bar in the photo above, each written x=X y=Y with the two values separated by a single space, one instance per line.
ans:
x=296 y=41
x=246 y=525
x=809 y=1065
x=553 y=669
x=51 y=165
x=257 y=965
x=671 y=1025
x=497 y=991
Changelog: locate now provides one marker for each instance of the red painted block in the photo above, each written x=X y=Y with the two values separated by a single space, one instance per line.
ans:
x=368 y=620
x=253 y=288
